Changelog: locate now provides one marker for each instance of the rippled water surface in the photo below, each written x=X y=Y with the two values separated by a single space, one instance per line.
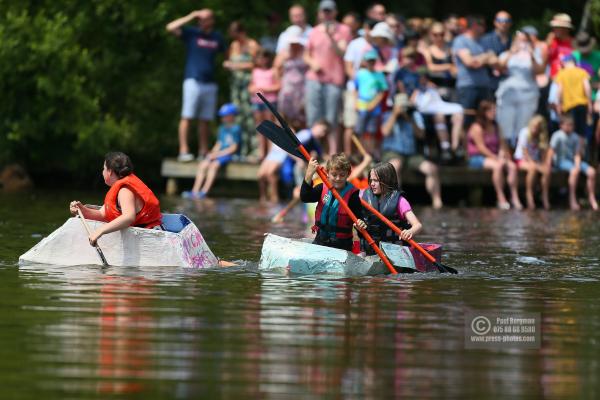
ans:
x=88 y=332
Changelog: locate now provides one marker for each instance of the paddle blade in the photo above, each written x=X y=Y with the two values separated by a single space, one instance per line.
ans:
x=444 y=268
x=277 y=135
x=286 y=128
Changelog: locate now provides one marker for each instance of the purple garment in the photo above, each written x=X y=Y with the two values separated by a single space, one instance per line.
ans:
x=291 y=96
x=490 y=139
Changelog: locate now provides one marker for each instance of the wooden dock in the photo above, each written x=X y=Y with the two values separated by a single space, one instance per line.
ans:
x=459 y=182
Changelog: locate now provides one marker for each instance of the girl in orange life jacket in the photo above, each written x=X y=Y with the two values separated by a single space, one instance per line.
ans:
x=332 y=224
x=383 y=194
x=129 y=202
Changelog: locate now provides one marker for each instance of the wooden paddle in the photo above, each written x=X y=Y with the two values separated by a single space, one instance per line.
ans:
x=287 y=140
x=441 y=267
x=359 y=145
x=89 y=231
x=281 y=214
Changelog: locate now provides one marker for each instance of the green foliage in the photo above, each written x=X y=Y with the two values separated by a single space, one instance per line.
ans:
x=79 y=78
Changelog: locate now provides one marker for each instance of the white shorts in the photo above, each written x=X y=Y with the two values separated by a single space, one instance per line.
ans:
x=199 y=100
x=350 y=117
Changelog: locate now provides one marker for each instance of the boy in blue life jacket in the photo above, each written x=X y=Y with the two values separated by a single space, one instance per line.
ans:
x=333 y=225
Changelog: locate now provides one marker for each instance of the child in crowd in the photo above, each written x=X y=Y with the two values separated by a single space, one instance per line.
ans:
x=383 y=194
x=532 y=155
x=268 y=172
x=488 y=150
x=265 y=80
x=333 y=225
x=400 y=129
x=228 y=144
x=567 y=157
x=428 y=101
x=574 y=94
x=371 y=87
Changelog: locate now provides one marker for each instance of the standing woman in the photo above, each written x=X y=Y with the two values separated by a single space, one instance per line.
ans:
x=240 y=61
x=383 y=194
x=517 y=95
x=129 y=202
x=534 y=156
x=487 y=150
x=292 y=69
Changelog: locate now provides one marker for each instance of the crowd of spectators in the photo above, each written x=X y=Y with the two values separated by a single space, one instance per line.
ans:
x=419 y=93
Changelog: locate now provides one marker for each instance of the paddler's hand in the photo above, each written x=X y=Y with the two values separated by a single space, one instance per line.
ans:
x=73 y=206
x=93 y=238
x=360 y=224
x=313 y=164
x=406 y=234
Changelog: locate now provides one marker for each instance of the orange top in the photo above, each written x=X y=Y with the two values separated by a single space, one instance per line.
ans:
x=148 y=217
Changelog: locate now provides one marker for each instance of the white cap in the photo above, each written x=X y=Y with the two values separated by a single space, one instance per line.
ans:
x=294 y=35
x=382 y=29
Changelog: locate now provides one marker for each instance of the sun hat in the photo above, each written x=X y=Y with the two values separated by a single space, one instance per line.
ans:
x=561 y=21
x=227 y=109
x=584 y=42
x=294 y=35
x=382 y=29
x=327 y=5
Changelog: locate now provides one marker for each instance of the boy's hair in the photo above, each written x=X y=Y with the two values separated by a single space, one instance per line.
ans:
x=323 y=122
x=339 y=162
x=119 y=163
x=565 y=118
x=388 y=179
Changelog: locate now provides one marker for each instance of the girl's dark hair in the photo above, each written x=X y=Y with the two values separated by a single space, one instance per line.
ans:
x=483 y=108
x=119 y=163
x=388 y=179
x=268 y=54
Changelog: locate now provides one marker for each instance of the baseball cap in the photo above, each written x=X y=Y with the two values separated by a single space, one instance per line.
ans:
x=227 y=109
x=327 y=5
x=370 y=55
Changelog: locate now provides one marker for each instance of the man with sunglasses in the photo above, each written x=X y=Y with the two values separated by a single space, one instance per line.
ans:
x=498 y=41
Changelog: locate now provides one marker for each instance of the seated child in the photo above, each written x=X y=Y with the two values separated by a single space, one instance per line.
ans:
x=268 y=172
x=383 y=194
x=371 y=87
x=227 y=145
x=567 y=157
x=332 y=224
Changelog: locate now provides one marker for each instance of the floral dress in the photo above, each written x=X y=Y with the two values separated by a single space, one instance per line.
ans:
x=291 y=96
x=240 y=79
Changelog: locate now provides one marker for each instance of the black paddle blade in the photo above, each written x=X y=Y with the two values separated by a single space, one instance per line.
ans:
x=444 y=268
x=277 y=135
x=286 y=128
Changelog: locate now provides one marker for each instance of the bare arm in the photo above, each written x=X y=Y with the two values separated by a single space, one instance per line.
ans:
x=96 y=214
x=224 y=152
x=433 y=67
x=416 y=226
x=127 y=201
x=388 y=125
x=174 y=26
x=469 y=60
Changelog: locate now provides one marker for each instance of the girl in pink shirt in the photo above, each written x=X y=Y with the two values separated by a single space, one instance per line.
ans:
x=265 y=80
x=383 y=194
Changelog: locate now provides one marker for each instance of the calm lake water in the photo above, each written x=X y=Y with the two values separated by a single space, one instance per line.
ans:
x=84 y=332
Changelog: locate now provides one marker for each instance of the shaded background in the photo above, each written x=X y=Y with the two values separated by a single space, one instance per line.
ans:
x=80 y=78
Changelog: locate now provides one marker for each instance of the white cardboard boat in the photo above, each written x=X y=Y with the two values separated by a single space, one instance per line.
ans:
x=181 y=244
x=300 y=256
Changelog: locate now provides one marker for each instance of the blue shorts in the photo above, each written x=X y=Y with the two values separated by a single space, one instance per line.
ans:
x=368 y=121
x=476 y=162
x=567 y=165
x=199 y=100
x=223 y=160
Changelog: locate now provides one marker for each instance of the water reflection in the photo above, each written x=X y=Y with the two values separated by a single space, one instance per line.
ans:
x=88 y=332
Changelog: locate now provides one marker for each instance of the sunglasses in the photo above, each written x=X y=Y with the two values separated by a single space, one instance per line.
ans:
x=503 y=20
x=437 y=33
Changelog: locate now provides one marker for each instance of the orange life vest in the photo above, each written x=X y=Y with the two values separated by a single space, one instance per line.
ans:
x=148 y=217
